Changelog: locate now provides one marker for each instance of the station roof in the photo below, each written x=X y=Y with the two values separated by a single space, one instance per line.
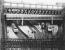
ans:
x=43 y=4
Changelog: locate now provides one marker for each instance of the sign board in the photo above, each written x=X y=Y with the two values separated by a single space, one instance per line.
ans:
x=32 y=11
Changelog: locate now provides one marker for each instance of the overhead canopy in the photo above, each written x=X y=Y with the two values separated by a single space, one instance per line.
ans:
x=46 y=2
x=51 y=4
